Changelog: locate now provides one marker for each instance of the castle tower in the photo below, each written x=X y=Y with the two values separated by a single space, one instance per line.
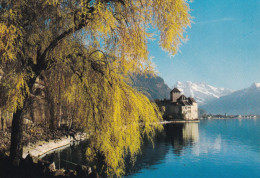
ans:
x=175 y=94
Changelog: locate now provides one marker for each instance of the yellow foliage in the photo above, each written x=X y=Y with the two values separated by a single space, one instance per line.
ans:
x=9 y=43
x=16 y=89
x=116 y=115
x=86 y=50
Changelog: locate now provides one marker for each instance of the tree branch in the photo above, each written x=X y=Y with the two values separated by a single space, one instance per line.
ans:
x=41 y=60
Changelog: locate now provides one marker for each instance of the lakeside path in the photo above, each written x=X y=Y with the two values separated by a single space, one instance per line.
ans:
x=41 y=148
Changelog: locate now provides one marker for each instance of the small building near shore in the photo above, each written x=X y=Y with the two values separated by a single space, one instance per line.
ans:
x=179 y=107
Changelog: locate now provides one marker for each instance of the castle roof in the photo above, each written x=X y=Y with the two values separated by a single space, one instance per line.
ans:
x=192 y=100
x=182 y=98
x=175 y=90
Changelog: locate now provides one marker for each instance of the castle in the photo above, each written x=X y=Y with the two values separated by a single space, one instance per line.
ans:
x=179 y=107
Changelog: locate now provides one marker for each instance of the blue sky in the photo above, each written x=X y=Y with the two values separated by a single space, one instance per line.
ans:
x=223 y=49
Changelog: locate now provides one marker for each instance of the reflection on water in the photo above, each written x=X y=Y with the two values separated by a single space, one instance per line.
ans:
x=211 y=148
x=191 y=131
x=181 y=135
x=175 y=137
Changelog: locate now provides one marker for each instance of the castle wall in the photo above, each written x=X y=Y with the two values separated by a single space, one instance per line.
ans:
x=194 y=111
x=170 y=110
x=190 y=112
x=173 y=111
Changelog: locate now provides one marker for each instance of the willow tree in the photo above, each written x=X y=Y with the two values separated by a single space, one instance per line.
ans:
x=97 y=43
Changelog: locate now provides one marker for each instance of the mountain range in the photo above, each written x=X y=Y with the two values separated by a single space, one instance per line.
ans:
x=211 y=99
x=201 y=91
x=244 y=102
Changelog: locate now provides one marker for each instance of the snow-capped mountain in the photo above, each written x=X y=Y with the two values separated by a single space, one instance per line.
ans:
x=202 y=92
x=244 y=102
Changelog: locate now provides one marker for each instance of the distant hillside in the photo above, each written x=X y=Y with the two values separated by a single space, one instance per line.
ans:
x=152 y=87
x=244 y=102
x=201 y=91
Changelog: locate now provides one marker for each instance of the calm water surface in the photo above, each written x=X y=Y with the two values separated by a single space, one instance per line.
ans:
x=211 y=148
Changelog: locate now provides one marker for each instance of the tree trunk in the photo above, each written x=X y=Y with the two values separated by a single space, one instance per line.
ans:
x=16 y=149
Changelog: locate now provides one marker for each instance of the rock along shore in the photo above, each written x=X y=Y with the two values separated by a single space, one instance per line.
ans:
x=42 y=147
x=31 y=165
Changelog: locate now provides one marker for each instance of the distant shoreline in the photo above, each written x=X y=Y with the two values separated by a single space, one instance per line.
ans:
x=220 y=118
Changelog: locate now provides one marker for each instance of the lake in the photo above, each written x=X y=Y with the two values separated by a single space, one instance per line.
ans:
x=211 y=148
